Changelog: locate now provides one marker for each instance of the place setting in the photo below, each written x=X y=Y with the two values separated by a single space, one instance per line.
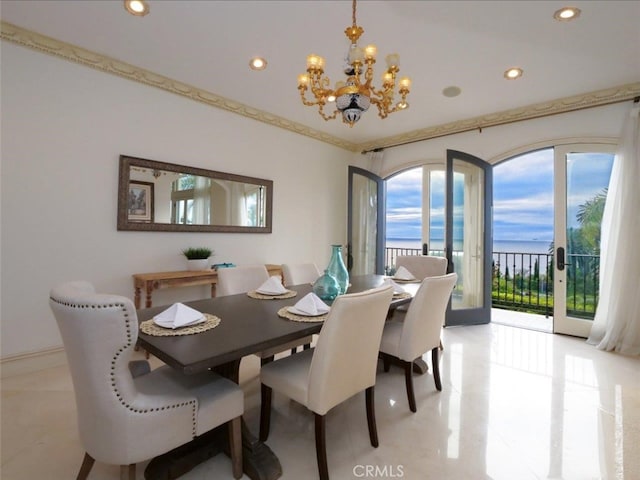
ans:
x=179 y=319
x=309 y=308
x=272 y=289
x=398 y=290
x=404 y=275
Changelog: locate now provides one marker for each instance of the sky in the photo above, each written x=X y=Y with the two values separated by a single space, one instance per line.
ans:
x=522 y=196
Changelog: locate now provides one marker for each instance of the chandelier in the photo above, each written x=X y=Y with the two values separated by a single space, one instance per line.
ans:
x=357 y=93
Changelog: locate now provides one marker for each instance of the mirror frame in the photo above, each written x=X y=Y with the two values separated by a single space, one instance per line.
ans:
x=124 y=178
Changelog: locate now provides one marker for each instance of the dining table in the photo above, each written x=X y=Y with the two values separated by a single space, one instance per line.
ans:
x=247 y=326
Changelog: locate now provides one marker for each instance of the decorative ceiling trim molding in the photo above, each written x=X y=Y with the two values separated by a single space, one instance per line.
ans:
x=538 y=110
x=51 y=46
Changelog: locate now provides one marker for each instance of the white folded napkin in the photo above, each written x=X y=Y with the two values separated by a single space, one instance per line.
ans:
x=178 y=315
x=273 y=286
x=311 y=304
x=396 y=288
x=403 y=274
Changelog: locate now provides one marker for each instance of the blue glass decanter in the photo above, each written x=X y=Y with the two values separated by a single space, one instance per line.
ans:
x=326 y=287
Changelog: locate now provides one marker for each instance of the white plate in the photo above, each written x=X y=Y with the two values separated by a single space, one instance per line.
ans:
x=295 y=311
x=404 y=279
x=264 y=292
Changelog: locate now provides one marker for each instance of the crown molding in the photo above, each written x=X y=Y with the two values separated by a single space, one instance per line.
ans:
x=51 y=46
x=563 y=105
x=72 y=53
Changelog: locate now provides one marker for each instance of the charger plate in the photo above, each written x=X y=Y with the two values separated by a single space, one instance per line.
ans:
x=285 y=313
x=150 y=328
x=397 y=296
x=262 y=296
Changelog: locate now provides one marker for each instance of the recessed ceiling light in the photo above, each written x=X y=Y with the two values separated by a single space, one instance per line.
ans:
x=513 y=73
x=136 y=7
x=257 y=63
x=451 y=91
x=567 y=13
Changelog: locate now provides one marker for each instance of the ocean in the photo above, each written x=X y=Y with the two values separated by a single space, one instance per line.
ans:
x=510 y=246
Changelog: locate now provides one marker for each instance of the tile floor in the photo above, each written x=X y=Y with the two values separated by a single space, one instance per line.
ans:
x=516 y=405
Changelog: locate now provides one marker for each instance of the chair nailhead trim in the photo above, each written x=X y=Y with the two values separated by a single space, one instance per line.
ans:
x=122 y=306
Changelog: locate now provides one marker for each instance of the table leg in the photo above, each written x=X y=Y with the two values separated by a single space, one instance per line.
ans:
x=136 y=298
x=420 y=366
x=148 y=290
x=258 y=460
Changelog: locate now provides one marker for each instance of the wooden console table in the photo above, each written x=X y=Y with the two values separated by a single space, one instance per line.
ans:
x=154 y=281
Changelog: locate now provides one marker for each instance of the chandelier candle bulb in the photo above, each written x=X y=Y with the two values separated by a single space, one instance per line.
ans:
x=393 y=60
x=303 y=79
x=370 y=52
x=315 y=62
x=356 y=54
x=405 y=83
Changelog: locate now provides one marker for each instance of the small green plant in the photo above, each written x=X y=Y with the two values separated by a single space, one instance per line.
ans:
x=197 y=253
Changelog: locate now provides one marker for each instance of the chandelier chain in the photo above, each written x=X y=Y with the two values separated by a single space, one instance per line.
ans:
x=353 y=16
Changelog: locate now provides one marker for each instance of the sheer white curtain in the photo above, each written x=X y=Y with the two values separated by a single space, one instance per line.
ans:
x=617 y=321
x=202 y=201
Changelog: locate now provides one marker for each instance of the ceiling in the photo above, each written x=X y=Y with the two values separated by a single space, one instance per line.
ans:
x=468 y=44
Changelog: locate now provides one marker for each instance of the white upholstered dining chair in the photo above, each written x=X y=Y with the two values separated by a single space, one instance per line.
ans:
x=129 y=415
x=299 y=273
x=405 y=341
x=342 y=364
x=422 y=266
x=243 y=279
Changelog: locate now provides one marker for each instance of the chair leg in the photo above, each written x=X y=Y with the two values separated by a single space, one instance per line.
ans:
x=235 y=446
x=441 y=346
x=128 y=472
x=306 y=346
x=386 y=362
x=436 y=368
x=294 y=350
x=321 y=447
x=265 y=412
x=371 y=416
x=85 y=468
x=408 y=378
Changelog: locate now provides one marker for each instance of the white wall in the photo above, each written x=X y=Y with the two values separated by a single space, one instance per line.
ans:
x=63 y=128
x=494 y=144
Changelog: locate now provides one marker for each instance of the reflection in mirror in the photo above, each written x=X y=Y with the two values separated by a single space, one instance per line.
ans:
x=167 y=197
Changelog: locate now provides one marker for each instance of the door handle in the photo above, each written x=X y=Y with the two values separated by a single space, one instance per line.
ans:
x=449 y=257
x=560 y=259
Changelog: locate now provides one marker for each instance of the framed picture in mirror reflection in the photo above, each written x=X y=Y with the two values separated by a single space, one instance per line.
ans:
x=140 y=202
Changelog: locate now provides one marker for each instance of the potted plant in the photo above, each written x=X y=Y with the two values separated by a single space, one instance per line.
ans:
x=197 y=257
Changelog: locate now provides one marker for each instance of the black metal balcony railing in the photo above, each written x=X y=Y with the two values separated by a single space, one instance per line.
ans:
x=524 y=281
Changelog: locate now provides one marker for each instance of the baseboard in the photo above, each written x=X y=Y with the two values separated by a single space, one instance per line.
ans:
x=32 y=362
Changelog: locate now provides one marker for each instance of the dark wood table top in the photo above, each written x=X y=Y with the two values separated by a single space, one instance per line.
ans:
x=247 y=326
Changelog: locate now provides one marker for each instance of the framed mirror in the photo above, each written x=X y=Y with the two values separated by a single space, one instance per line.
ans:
x=160 y=196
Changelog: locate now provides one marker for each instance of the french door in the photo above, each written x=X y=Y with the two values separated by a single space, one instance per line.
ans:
x=468 y=238
x=581 y=175
x=365 y=223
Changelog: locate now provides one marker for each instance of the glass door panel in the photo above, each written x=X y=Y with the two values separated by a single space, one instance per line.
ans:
x=582 y=178
x=433 y=226
x=365 y=223
x=468 y=237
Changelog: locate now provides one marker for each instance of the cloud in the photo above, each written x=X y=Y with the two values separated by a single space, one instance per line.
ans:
x=522 y=196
